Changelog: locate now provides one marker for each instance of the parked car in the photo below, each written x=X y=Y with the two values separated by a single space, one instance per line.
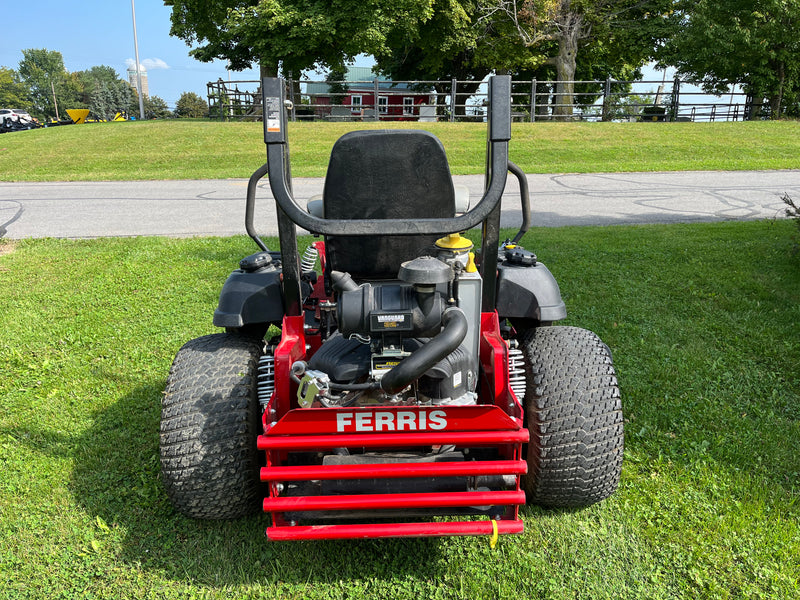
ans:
x=16 y=118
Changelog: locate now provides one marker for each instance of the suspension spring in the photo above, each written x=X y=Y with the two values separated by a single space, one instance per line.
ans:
x=516 y=370
x=266 y=376
x=309 y=260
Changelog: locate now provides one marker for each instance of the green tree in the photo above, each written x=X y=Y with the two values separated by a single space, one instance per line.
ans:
x=336 y=86
x=293 y=35
x=156 y=108
x=43 y=72
x=749 y=42
x=625 y=31
x=454 y=43
x=191 y=105
x=468 y=39
x=104 y=93
x=13 y=92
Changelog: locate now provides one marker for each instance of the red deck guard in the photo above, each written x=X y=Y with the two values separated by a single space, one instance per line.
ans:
x=395 y=428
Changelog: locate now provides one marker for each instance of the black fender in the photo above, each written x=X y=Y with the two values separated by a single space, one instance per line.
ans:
x=528 y=292
x=250 y=298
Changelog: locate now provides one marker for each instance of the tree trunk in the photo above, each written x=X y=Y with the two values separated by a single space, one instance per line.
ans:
x=776 y=99
x=569 y=34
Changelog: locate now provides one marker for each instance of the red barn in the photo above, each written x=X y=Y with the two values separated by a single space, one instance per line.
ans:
x=396 y=101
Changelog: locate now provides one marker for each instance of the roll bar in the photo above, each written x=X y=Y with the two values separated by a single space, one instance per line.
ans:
x=275 y=123
x=485 y=212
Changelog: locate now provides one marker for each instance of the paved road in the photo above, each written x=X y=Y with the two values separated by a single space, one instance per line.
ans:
x=216 y=207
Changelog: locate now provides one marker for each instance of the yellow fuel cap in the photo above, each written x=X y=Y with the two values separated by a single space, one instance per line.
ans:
x=454 y=241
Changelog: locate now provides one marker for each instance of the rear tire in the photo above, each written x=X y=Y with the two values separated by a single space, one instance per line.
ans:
x=210 y=419
x=574 y=415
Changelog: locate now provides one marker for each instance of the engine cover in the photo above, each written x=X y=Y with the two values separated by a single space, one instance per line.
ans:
x=390 y=308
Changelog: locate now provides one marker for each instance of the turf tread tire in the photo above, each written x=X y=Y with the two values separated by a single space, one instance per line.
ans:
x=574 y=416
x=210 y=419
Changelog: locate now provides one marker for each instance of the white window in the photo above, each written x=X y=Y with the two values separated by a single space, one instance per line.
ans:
x=383 y=104
x=408 y=106
x=355 y=103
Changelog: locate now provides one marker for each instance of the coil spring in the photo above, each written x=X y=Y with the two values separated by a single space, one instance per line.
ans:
x=309 y=260
x=516 y=370
x=266 y=376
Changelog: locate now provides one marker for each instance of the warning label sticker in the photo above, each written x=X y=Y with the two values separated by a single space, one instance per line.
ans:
x=272 y=105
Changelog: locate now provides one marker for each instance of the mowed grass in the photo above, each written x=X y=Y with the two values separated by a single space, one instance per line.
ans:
x=704 y=324
x=188 y=149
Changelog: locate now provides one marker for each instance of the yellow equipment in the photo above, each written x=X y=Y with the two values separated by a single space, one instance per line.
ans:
x=78 y=115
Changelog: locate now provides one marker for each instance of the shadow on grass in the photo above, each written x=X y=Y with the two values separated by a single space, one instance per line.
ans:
x=117 y=478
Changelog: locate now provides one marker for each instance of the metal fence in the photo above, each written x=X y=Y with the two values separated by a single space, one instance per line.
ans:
x=454 y=100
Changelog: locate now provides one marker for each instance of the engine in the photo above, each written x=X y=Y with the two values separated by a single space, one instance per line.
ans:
x=411 y=341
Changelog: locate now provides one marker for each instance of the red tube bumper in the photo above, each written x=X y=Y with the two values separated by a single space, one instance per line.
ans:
x=394 y=430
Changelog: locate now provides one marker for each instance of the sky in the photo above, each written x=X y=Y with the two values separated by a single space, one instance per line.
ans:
x=100 y=32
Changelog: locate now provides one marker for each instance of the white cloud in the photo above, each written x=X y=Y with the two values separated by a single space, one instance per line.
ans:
x=148 y=64
x=154 y=63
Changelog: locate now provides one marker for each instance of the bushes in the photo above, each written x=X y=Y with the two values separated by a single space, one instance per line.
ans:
x=191 y=105
x=793 y=212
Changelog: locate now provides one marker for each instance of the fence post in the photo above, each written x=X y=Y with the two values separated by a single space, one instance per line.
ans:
x=375 y=88
x=606 y=101
x=533 y=101
x=453 y=85
x=676 y=99
x=292 y=112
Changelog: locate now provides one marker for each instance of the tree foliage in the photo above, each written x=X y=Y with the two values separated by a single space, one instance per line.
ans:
x=336 y=86
x=623 y=32
x=49 y=84
x=293 y=35
x=749 y=42
x=191 y=105
x=43 y=72
x=13 y=92
x=155 y=107
x=104 y=93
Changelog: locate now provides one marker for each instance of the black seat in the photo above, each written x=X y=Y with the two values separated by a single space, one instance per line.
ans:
x=389 y=174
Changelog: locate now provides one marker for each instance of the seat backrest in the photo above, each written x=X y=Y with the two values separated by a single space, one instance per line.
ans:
x=388 y=174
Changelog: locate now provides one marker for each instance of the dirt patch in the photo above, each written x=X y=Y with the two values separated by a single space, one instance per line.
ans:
x=7 y=247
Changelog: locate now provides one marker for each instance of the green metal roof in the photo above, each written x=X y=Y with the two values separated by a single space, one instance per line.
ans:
x=362 y=75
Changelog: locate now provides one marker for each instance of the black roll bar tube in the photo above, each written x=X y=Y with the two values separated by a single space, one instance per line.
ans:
x=275 y=123
x=249 y=208
x=289 y=213
x=525 y=199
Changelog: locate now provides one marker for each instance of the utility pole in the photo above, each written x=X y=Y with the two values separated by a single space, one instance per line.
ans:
x=55 y=102
x=138 y=68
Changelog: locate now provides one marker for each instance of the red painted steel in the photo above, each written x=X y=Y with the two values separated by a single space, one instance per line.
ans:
x=391 y=501
x=496 y=422
x=387 y=419
x=494 y=360
x=395 y=440
x=380 y=530
x=291 y=348
x=395 y=470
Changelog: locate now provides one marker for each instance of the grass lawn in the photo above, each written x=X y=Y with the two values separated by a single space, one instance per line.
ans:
x=186 y=149
x=704 y=323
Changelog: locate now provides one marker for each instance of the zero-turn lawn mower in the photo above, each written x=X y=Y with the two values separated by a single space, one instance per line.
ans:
x=411 y=387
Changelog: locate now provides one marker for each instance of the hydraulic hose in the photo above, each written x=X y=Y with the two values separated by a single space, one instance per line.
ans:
x=419 y=361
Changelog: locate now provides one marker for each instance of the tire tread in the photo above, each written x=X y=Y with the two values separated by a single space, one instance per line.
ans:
x=574 y=415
